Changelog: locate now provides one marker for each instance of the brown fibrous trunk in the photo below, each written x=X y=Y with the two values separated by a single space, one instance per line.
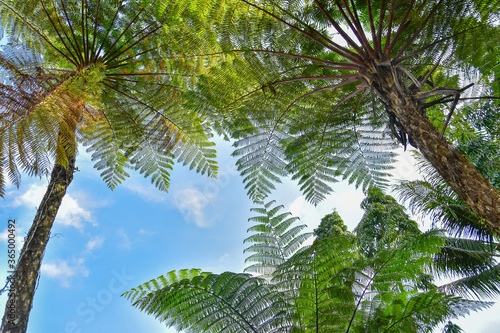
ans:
x=455 y=168
x=24 y=279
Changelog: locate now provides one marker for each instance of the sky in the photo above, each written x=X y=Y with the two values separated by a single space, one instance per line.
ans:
x=106 y=242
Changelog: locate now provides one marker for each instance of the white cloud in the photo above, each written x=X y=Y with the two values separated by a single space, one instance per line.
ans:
x=405 y=166
x=146 y=191
x=125 y=239
x=345 y=202
x=146 y=232
x=95 y=243
x=348 y=201
x=224 y=257
x=70 y=213
x=192 y=202
x=61 y=270
x=307 y=213
x=31 y=198
x=4 y=236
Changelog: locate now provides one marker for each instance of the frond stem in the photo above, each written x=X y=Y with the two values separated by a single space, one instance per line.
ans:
x=123 y=32
x=422 y=26
x=335 y=50
x=45 y=38
x=341 y=31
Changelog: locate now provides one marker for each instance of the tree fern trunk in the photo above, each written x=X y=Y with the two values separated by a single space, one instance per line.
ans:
x=457 y=171
x=28 y=267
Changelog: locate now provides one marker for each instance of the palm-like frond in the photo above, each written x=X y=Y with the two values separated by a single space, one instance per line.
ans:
x=471 y=263
x=275 y=239
x=434 y=198
x=102 y=66
x=200 y=302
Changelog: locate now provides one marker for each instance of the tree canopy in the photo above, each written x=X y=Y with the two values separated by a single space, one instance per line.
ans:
x=321 y=90
x=330 y=286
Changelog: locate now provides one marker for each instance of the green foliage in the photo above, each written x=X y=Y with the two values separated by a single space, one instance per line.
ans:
x=98 y=74
x=384 y=223
x=331 y=225
x=274 y=239
x=327 y=287
x=202 y=302
x=300 y=104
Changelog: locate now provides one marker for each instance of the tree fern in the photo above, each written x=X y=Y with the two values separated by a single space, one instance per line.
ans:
x=310 y=68
x=99 y=74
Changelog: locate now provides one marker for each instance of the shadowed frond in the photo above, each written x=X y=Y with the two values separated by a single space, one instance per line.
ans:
x=434 y=198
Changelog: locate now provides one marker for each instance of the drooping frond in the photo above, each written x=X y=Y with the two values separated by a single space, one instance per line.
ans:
x=474 y=263
x=107 y=152
x=199 y=302
x=369 y=157
x=275 y=239
x=261 y=162
x=104 y=67
x=434 y=198
x=31 y=115
x=482 y=285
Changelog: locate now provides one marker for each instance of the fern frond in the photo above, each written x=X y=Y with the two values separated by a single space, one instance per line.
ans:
x=275 y=239
x=196 y=301
x=368 y=158
x=108 y=151
x=261 y=162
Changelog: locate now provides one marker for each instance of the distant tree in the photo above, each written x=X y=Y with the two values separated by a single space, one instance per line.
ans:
x=331 y=225
x=384 y=223
x=452 y=328
x=327 y=287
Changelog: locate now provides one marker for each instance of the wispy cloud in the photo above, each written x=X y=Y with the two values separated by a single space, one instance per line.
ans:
x=64 y=271
x=19 y=240
x=95 y=243
x=146 y=191
x=191 y=202
x=346 y=203
x=146 y=232
x=126 y=243
x=71 y=213
x=224 y=257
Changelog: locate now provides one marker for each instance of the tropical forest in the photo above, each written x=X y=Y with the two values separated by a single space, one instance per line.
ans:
x=250 y=166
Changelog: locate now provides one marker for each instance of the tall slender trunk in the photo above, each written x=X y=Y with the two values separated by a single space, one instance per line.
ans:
x=456 y=170
x=24 y=280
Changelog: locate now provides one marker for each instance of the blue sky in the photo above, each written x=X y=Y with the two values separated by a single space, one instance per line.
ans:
x=105 y=242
